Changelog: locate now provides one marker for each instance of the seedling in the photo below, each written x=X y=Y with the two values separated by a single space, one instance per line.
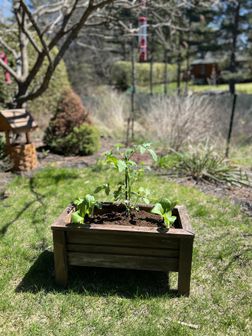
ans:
x=164 y=209
x=123 y=163
x=84 y=207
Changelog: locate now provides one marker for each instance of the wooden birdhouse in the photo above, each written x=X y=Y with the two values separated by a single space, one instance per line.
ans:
x=14 y=123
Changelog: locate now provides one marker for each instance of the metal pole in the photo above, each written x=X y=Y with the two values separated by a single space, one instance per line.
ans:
x=231 y=125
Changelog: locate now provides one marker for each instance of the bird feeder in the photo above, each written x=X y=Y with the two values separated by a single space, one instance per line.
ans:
x=14 y=123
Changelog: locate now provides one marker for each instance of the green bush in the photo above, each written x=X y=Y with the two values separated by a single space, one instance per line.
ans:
x=121 y=73
x=83 y=140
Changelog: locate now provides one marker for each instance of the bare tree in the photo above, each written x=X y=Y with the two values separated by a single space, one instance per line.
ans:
x=54 y=24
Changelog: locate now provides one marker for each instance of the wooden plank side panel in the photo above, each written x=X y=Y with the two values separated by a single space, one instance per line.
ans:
x=122 y=239
x=123 y=250
x=123 y=261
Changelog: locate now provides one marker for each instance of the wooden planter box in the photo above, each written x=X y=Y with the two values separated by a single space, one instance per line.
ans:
x=132 y=247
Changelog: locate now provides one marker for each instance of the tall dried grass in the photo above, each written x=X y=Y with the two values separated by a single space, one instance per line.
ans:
x=177 y=121
x=109 y=112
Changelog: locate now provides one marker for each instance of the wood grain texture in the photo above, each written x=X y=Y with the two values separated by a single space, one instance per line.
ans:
x=184 y=219
x=129 y=247
x=121 y=239
x=123 y=250
x=123 y=261
x=185 y=262
x=60 y=258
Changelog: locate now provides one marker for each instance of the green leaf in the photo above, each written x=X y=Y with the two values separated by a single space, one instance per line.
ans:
x=168 y=204
x=141 y=149
x=117 y=193
x=121 y=165
x=153 y=154
x=76 y=218
x=104 y=187
x=98 y=189
x=158 y=209
x=166 y=220
x=172 y=219
x=78 y=201
x=90 y=199
x=107 y=189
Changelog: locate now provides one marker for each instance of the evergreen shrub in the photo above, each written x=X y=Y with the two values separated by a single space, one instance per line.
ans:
x=70 y=130
x=83 y=140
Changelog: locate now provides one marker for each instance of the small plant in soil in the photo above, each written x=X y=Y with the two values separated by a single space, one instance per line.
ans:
x=164 y=209
x=123 y=162
x=125 y=193
x=84 y=208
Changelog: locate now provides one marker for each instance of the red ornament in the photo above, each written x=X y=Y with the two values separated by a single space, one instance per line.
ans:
x=7 y=76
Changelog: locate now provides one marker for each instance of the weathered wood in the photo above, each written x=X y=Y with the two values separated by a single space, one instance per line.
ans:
x=61 y=221
x=60 y=258
x=123 y=261
x=123 y=250
x=184 y=219
x=185 y=262
x=117 y=246
x=122 y=239
x=28 y=139
x=17 y=120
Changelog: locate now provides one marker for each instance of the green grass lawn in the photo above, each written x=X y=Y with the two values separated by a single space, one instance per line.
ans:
x=242 y=155
x=159 y=88
x=119 y=302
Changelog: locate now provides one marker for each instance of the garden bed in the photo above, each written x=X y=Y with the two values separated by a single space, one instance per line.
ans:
x=104 y=242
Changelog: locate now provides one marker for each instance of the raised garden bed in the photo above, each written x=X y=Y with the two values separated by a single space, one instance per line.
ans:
x=98 y=243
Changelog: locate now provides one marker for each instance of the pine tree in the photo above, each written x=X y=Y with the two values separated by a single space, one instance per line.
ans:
x=234 y=21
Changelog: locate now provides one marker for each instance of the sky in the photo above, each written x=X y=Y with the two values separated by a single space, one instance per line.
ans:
x=5 y=7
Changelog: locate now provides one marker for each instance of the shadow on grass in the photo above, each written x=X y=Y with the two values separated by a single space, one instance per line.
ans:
x=95 y=281
x=52 y=178
x=38 y=199
x=4 y=229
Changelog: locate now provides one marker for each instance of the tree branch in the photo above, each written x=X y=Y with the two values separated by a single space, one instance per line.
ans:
x=70 y=37
x=7 y=47
x=11 y=71
x=36 y=27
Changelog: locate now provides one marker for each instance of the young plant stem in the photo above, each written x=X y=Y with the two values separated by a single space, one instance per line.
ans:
x=126 y=183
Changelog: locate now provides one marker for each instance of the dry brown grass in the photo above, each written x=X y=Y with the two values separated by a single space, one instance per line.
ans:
x=176 y=121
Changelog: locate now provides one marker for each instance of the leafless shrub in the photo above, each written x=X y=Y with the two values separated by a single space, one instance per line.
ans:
x=176 y=121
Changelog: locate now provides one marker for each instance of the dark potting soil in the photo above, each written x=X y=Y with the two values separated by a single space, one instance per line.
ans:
x=116 y=214
x=135 y=218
